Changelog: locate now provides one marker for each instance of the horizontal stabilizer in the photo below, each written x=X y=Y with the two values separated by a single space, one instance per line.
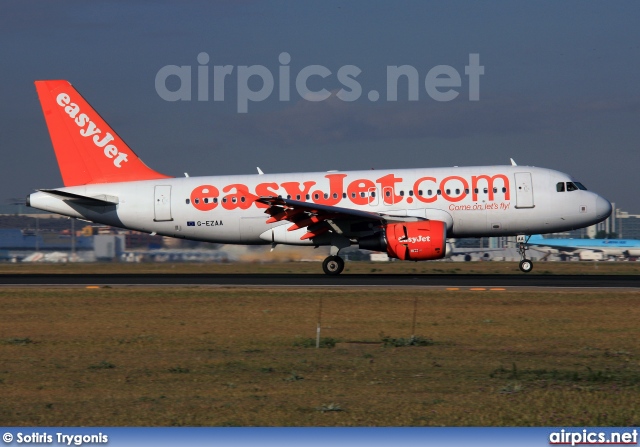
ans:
x=101 y=200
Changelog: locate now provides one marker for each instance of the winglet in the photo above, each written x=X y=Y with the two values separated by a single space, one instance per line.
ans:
x=87 y=149
x=513 y=163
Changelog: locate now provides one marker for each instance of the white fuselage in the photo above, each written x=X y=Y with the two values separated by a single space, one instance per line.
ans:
x=472 y=201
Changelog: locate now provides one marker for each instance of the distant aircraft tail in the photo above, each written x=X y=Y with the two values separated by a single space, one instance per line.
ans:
x=87 y=149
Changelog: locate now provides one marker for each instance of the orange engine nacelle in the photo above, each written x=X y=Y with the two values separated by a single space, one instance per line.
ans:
x=410 y=241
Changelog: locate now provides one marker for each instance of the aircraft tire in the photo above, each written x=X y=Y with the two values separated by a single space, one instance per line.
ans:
x=526 y=265
x=333 y=265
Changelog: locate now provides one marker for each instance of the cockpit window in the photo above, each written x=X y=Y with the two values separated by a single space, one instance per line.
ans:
x=580 y=186
x=571 y=186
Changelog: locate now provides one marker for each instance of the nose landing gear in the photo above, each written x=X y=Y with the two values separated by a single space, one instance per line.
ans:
x=525 y=264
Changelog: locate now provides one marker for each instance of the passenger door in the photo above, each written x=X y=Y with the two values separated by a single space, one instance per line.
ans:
x=162 y=203
x=524 y=190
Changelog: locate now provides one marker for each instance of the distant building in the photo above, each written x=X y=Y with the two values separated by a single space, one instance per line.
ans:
x=138 y=240
x=32 y=235
x=628 y=225
x=16 y=239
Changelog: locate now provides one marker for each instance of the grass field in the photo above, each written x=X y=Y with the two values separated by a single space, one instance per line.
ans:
x=246 y=357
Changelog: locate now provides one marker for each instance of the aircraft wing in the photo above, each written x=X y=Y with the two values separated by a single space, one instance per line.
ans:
x=319 y=219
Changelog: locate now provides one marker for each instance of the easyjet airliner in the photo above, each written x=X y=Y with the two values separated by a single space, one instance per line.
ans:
x=407 y=213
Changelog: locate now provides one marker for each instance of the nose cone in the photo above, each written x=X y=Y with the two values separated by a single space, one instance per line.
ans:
x=603 y=208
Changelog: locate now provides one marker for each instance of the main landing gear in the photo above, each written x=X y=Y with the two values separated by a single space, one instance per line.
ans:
x=525 y=264
x=333 y=265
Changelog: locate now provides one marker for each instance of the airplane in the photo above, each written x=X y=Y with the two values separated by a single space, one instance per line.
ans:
x=468 y=253
x=624 y=248
x=407 y=213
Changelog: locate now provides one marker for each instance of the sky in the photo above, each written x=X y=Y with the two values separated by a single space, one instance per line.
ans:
x=559 y=86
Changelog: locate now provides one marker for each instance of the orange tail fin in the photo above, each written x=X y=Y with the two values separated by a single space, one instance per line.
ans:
x=87 y=149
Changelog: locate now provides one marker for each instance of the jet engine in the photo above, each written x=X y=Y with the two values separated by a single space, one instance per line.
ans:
x=409 y=241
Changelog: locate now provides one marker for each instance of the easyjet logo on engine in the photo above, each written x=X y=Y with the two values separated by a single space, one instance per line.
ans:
x=414 y=239
x=360 y=191
x=89 y=129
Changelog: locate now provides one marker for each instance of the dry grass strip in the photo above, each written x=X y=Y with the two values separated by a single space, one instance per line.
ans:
x=247 y=357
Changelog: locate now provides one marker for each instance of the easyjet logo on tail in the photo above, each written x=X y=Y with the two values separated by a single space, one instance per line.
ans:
x=88 y=129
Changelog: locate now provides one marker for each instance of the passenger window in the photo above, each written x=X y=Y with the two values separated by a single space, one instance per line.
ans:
x=242 y=199
x=495 y=189
x=504 y=189
x=411 y=192
x=187 y=202
x=560 y=187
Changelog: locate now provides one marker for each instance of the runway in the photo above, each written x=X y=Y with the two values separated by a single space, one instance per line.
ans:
x=319 y=280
